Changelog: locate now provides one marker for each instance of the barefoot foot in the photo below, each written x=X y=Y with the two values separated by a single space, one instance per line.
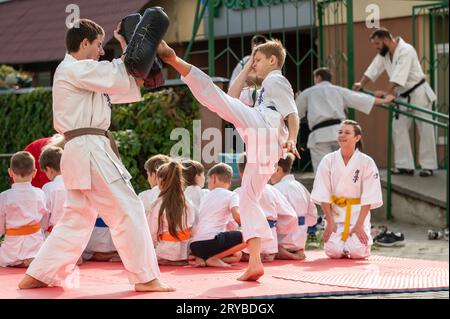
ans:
x=197 y=262
x=153 y=286
x=252 y=274
x=300 y=255
x=29 y=282
x=215 y=262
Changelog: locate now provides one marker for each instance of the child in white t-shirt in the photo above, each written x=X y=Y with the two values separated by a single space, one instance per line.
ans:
x=211 y=244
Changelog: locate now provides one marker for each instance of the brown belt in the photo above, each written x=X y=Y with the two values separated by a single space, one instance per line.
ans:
x=92 y=131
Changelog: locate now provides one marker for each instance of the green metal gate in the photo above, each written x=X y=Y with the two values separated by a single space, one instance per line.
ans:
x=336 y=46
x=430 y=24
x=430 y=38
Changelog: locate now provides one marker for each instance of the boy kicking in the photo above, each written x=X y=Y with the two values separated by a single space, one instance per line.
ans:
x=262 y=128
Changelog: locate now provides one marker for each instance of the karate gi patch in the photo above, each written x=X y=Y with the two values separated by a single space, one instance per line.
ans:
x=356 y=176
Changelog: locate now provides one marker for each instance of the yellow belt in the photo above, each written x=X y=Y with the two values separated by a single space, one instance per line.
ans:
x=343 y=202
x=24 y=230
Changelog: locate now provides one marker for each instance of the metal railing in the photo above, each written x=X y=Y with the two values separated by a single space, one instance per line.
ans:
x=391 y=110
x=5 y=156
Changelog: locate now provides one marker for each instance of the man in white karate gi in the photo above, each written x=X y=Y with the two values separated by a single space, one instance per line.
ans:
x=325 y=105
x=95 y=178
x=407 y=81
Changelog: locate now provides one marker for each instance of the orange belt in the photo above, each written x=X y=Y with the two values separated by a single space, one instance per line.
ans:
x=24 y=230
x=345 y=202
x=182 y=235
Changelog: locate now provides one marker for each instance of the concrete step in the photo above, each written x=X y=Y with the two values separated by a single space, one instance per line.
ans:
x=416 y=200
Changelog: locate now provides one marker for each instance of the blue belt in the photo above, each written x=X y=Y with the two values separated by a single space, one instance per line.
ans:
x=301 y=220
x=100 y=223
x=272 y=223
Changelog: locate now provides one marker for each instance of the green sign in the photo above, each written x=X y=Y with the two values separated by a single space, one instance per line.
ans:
x=243 y=4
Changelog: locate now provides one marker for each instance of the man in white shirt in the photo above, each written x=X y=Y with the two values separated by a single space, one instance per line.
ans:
x=325 y=105
x=406 y=80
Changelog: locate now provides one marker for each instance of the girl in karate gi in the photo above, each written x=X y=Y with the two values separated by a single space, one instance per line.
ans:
x=171 y=217
x=347 y=185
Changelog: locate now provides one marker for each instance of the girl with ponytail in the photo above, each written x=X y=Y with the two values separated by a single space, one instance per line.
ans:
x=171 y=216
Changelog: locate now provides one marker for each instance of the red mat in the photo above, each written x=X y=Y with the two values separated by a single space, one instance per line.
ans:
x=316 y=276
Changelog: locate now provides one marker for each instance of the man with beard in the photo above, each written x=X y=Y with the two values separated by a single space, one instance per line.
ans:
x=406 y=81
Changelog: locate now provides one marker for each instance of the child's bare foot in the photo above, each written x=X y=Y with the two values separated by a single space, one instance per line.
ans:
x=245 y=257
x=285 y=254
x=153 y=286
x=29 y=282
x=165 y=262
x=299 y=255
x=196 y=261
x=216 y=262
x=27 y=262
x=115 y=259
x=110 y=256
x=252 y=273
x=233 y=259
x=267 y=258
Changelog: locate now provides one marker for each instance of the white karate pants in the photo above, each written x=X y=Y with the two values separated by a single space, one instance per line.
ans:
x=400 y=135
x=256 y=175
x=336 y=248
x=122 y=211
x=319 y=150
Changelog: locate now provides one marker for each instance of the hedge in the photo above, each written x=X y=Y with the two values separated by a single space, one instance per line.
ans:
x=142 y=129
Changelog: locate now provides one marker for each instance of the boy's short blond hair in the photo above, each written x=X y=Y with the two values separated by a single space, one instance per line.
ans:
x=273 y=47
x=22 y=164
x=224 y=172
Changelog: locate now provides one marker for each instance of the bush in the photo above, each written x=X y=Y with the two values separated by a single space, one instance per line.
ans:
x=152 y=121
x=23 y=119
x=12 y=79
x=142 y=129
